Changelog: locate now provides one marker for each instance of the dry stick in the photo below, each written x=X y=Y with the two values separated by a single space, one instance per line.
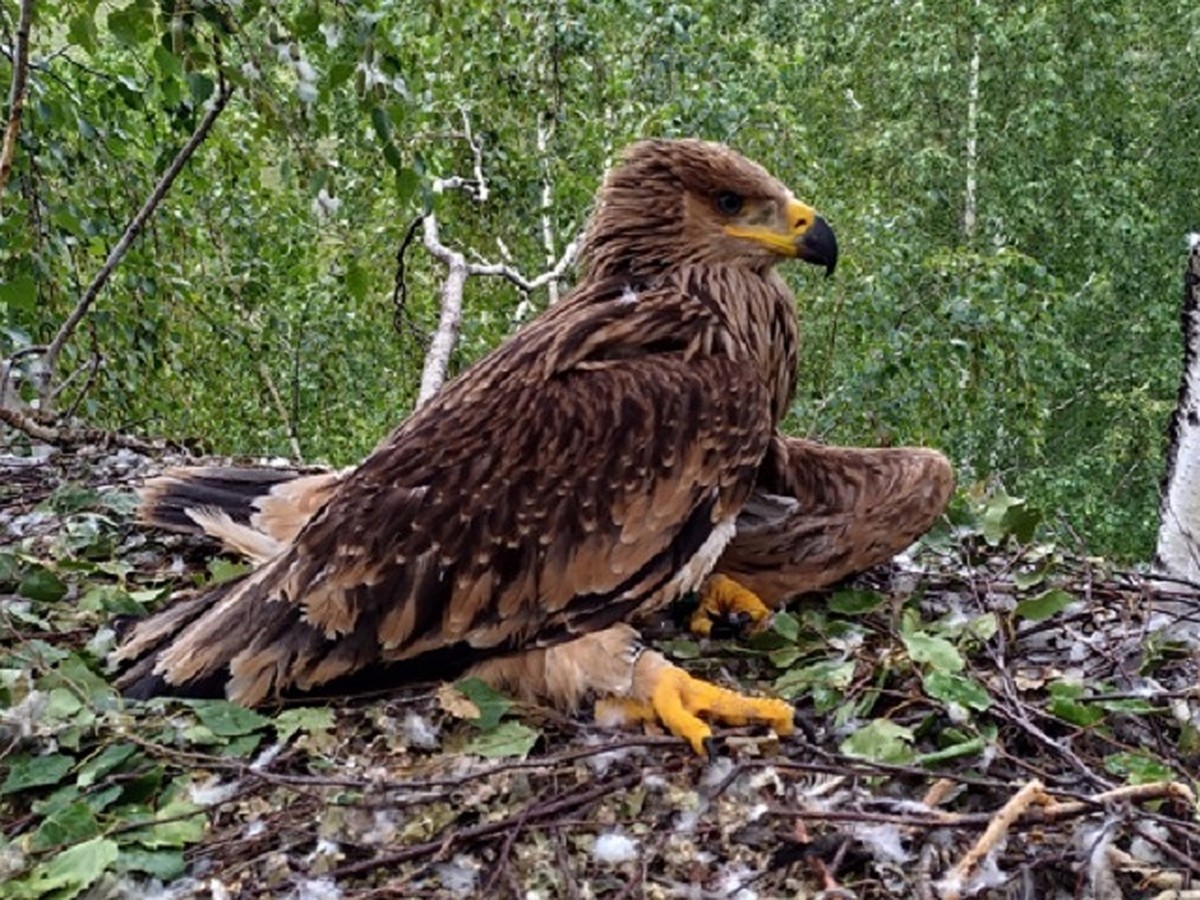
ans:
x=289 y=423
x=1032 y=793
x=16 y=94
x=563 y=803
x=132 y=230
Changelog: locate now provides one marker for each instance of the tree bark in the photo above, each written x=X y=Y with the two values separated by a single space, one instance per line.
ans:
x=969 y=201
x=16 y=94
x=1178 y=551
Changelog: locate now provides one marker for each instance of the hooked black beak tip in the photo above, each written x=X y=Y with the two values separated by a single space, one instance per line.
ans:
x=819 y=246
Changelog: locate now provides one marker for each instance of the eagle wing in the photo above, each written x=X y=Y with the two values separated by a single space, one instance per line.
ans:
x=590 y=467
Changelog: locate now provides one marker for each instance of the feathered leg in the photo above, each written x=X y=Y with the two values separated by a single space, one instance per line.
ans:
x=633 y=686
x=819 y=514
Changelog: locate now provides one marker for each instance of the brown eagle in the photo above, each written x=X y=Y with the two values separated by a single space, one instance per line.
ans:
x=590 y=469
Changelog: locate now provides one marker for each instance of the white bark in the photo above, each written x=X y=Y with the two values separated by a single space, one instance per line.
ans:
x=547 y=203
x=969 y=202
x=1178 y=551
x=458 y=270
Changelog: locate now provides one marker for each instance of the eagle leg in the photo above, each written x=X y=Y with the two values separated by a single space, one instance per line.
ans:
x=724 y=600
x=664 y=693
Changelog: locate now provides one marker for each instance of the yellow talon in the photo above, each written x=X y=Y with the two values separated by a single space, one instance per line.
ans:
x=722 y=596
x=677 y=700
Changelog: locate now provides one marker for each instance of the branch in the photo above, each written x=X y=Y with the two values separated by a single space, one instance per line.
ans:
x=437 y=359
x=63 y=436
x=288 y=422
x=16 y=94
x=132 y=230
x=547 y=204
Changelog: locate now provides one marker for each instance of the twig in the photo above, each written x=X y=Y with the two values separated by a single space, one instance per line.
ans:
x=288 y=422
x=16 y=94
x=132 y=230
x=1032 y=793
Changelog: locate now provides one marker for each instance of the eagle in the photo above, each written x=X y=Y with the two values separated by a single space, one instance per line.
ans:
x=586 y=472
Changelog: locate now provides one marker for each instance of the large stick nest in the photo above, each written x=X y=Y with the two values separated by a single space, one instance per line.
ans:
x=989 y=717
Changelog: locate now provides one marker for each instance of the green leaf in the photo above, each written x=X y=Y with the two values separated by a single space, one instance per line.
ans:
x=934 y=651
x=954 y=751
x=242 y=745
x=681 y=648
x=71 y=871
x=104 y=762
x=358 y=280
x=786 y=626
x=784 y=657
x=176 y=824
x=227 y=719
x=407 y=182
x=854 y=602
x=1139 y=768
x=42 y=585
x=882 y=741
x=169 y=65
x=131 y=25
x=382 y=124
x=1044 y=605
x=393 y=158
x=222 y=570
x=25 y=772
x=1063 y=703
x=1005 y=515
x=506 y=739
x=73 y=823
x=165 y=865
x=956 y=689
x=82 y=32
x=492 y=704
x=20 y=294
x=201 y=87
x=309 y=719
x=829 y=677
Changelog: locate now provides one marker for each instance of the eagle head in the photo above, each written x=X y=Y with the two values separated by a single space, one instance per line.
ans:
x=671 y=203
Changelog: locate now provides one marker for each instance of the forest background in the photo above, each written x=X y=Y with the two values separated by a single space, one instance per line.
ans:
x=1011 y=184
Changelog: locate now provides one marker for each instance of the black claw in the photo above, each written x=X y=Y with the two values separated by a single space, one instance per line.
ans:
x=711 y=748
x=731 y=625
x=804 y=725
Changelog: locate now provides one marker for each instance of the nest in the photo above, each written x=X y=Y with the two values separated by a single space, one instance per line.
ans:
x=988 y=717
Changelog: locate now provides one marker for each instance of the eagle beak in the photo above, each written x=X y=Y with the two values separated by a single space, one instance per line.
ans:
x=803 y=235
x=815 y=241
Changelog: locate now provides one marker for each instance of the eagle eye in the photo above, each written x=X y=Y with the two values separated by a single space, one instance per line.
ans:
x=728 y=203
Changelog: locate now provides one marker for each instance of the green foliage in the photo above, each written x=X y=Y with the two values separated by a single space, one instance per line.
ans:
x=1040 y=348
x=497 y=736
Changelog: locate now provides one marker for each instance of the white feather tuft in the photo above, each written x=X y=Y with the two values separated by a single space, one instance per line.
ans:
x=613 y=849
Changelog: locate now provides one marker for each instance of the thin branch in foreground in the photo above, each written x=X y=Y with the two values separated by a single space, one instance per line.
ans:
x=132 y=230
x=16 y=94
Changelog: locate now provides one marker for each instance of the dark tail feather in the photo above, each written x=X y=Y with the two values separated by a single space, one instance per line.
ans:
x=142 y=641
x=166 y=499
